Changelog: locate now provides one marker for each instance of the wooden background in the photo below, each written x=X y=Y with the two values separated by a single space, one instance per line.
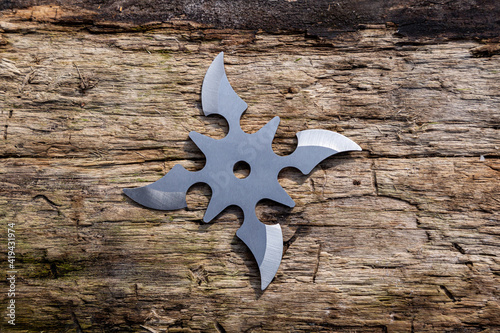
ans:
x=401 y=237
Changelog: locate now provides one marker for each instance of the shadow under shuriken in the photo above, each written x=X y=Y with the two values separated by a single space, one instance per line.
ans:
x=237 y=245
x=268 y=212
x=279 y=214
x=214 y=126
x=240 y=249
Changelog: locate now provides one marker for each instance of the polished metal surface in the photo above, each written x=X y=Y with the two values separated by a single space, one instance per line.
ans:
x=265 y=241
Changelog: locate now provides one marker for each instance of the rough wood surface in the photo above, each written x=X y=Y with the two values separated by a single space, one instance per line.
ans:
x=401 y=237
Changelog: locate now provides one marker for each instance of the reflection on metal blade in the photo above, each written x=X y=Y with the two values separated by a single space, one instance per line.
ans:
x=266 y=244
x=217 y=95
x=151 y=198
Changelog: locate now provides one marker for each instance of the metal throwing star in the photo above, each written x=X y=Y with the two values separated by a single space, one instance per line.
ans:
x=265 y=241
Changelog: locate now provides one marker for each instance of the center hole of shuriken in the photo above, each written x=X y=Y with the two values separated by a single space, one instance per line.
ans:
x=241 y=169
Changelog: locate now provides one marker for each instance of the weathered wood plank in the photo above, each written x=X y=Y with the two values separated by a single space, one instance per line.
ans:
x=403 y=236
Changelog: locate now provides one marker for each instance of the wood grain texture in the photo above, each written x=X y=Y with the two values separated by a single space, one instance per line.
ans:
x=401 y=237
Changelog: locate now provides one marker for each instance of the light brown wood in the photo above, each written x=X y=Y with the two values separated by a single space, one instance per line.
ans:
x=403 y=236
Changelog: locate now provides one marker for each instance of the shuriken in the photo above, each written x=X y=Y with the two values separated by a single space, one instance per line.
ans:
x=265 y=241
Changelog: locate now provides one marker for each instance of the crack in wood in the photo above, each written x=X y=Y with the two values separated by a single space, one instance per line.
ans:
x=27 y=79
x=53 y=270
x=448 y=293
x=76 y=323
x=219 y=327
x=86 y=83
x=44 y=197
x=459 y=248
x=374 y=179
x=316 y=267
x=198 y=275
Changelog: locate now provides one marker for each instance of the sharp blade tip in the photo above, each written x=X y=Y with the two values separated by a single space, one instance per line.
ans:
x=130 y=191
x=353 y=146
x=219 y=57
x=148 y=197
x=272 y=257
x=264 y=285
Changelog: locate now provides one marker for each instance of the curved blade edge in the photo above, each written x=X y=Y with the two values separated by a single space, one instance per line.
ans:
x=316 y=145
x=217 y=95
x=266 y=244
x=155 y=199
x=326 y=139
x=167 y=193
